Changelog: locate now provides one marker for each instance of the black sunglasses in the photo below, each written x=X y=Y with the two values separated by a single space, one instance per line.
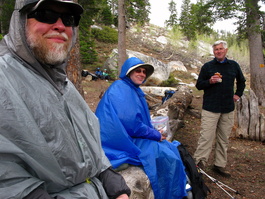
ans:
x=51 y=17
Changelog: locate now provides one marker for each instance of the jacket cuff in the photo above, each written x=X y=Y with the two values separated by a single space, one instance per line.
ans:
x=113 y=183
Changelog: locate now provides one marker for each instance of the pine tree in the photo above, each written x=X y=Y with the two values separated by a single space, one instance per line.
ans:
x=173 y=18
x=186 y=21
x=202 y=18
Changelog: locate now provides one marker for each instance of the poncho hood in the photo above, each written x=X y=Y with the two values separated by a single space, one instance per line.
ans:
x=133 y=63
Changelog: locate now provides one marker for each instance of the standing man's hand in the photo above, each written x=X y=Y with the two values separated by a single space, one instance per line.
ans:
x=123 y=196
x=216 y=78
x=236 y=98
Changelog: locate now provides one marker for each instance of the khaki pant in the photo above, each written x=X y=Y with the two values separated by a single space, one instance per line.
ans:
x=214 y=126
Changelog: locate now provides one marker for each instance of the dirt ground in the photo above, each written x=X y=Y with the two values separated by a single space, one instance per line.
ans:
x=246 y=159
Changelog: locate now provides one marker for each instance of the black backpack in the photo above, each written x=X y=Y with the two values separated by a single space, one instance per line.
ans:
x=199 y=188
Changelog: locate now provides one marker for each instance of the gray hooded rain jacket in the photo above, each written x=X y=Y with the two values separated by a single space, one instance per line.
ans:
x=49 y=137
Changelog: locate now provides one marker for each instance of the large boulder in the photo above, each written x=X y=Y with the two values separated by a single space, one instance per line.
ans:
x=161 y=72
x=138 y=182
x=177 y=66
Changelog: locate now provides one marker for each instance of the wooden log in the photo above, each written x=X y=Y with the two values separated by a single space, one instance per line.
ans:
x=175 y=107
x=254 y=116
x=243 y=117
x=250 y=122
x=262 y=127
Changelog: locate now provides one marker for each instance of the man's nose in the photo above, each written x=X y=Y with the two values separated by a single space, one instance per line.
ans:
x=59 y=25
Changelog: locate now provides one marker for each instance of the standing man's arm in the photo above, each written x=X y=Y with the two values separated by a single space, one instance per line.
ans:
x=203 y=81
x=240 y=85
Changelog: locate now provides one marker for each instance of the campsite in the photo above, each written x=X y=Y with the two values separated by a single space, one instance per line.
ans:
x=245 y=157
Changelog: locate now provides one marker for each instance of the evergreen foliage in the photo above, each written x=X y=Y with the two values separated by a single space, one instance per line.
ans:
x=173 y=18
x=196 y=19
x=87 y=44
x=137 y=11
x=87 y=47
x=106 y=34
x=106 y=17
x=202 y=18
x=186 y=21
x=7 y=7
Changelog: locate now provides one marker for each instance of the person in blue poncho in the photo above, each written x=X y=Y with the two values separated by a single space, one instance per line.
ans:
x=129 y=137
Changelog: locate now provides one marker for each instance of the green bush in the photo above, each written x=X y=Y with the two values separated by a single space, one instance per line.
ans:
x=170 y=82
x=107 y=34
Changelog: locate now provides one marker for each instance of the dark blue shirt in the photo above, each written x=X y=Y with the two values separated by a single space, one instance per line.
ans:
x=218 y=97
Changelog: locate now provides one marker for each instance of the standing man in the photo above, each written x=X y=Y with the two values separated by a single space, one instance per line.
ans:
x=217 y=79
x=49 y=138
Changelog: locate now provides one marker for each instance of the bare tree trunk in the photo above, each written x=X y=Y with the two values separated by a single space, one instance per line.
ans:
x=122 y=34
x=74 y=67
x=249 y=121
x=257 y=69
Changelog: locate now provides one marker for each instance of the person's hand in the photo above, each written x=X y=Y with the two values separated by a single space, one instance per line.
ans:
x=236 y=98
x=163 y=134
x=216 y=78
x=163 y=137
x=123 y=196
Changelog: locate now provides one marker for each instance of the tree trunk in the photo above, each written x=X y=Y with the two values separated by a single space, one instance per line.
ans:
x=249 y=121
x=257 y=69
x=74 y=66
x=122 y=34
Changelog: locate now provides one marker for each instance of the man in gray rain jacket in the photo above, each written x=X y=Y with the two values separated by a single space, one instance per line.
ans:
x=49 y=138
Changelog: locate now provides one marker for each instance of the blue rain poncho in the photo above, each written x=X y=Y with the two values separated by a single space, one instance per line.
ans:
x=128 y=137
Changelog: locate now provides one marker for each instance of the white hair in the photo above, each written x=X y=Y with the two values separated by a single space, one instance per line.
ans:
x=220 y=42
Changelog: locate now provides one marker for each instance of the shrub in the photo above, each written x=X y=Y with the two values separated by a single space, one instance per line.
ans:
x=170 y=82
x=107 y=34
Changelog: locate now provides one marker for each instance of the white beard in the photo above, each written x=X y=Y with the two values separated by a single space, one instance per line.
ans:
x=57 y=55
x=54 y=54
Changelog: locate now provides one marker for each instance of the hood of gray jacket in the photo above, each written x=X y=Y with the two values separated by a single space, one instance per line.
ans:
x=15 y=43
